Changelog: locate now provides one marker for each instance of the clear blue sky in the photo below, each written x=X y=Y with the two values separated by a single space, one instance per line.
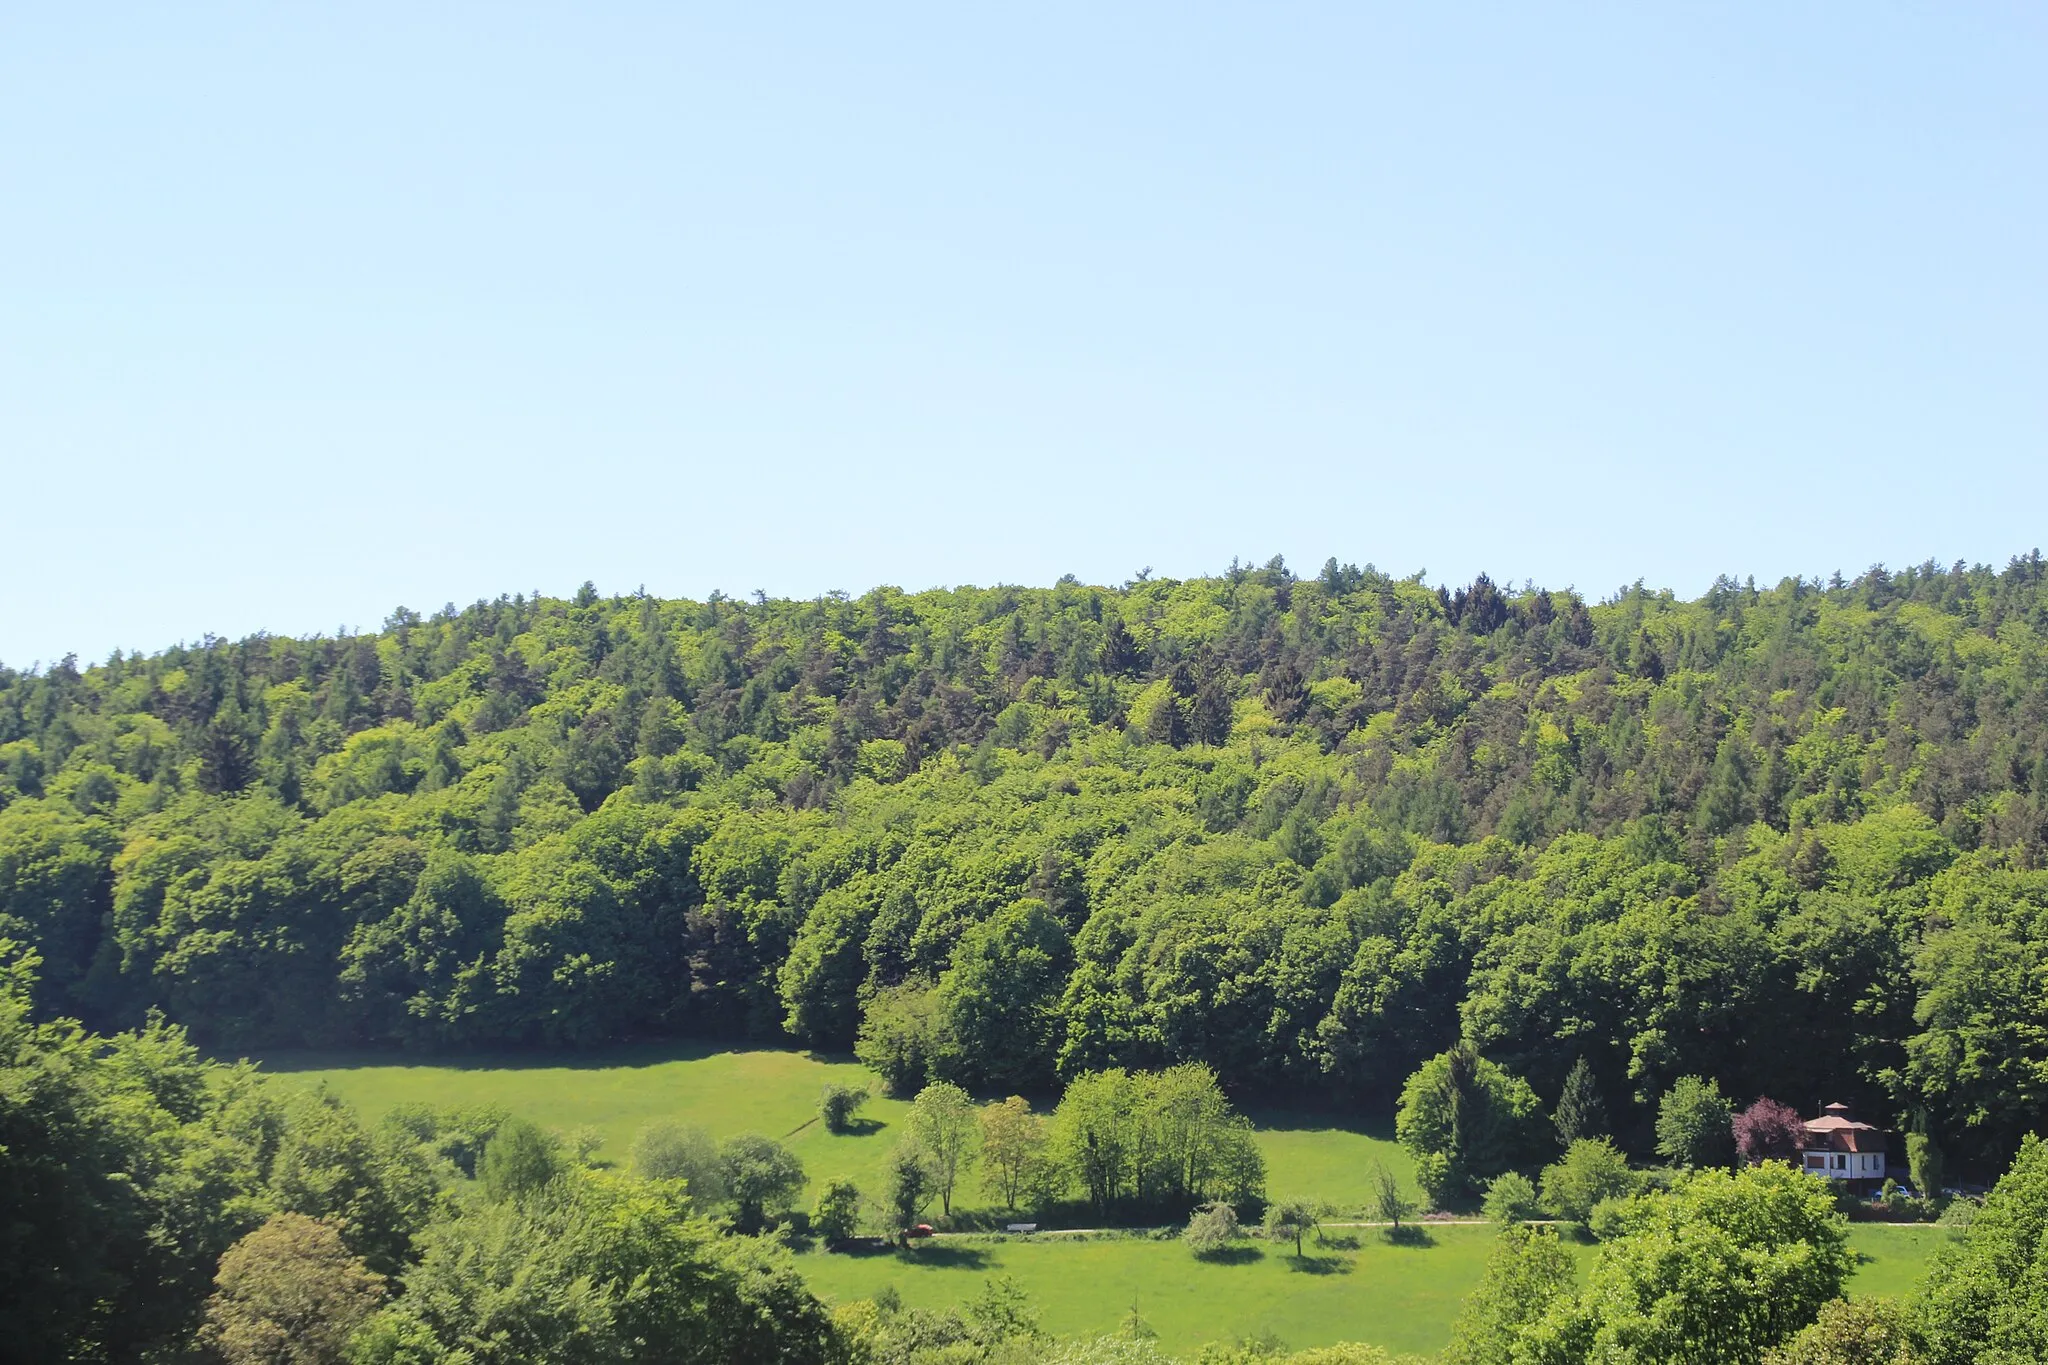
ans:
x=306 y=312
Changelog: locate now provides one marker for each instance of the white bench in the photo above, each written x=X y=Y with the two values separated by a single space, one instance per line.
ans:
x=1022 y=1227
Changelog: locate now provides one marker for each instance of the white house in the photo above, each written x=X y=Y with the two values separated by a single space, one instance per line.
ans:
x=1837 y=1147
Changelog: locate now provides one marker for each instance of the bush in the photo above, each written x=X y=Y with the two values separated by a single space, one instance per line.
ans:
x=1510 y=1198
x=1590 y=1173
x=1213 y=1228
x=518 y=1160
x=837 y=1214
x=1849 y=1332
x=671 y=1151
x=840 y=1104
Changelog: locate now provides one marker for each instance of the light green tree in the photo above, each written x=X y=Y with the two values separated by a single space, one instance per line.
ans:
x=943 y=1120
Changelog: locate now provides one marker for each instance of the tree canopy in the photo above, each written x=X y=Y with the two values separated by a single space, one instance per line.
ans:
x=1306 y=831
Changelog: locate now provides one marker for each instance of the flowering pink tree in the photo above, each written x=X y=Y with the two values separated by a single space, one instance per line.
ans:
x=1768 y=1131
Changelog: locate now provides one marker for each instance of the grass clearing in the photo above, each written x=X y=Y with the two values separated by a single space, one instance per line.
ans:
x=773 y=1092
x=1400 y=1297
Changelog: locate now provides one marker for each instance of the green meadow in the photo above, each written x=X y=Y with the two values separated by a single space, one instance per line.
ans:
x=1359 y=1288
x=769 y=1091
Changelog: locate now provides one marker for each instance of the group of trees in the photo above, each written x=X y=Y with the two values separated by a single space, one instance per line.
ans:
x=158 y=1206
x=1308 y=831
x=1727 y=1268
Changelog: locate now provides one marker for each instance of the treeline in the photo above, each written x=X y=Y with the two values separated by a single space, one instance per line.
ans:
x=1308 y=831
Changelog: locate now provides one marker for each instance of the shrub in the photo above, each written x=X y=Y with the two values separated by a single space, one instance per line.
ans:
x=1213 y=1227
x=840 y=1104
x=517 y=1161
x=1591 y=1172
x=836 y=1216
x=1510 y=1198
x=671 y=1151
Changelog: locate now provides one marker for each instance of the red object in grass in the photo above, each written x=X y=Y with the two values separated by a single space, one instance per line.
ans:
x=921 y=1230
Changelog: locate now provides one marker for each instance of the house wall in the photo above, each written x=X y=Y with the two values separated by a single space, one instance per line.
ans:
x=1844 y=1165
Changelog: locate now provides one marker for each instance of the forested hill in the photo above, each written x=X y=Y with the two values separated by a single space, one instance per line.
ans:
x=1307 y=830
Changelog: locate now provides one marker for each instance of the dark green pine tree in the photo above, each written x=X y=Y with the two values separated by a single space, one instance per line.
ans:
x=1209 y=718
x=1120 y=654
x=1581 y=1113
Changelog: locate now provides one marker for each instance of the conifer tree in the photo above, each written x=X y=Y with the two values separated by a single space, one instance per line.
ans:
x=1581 y=1113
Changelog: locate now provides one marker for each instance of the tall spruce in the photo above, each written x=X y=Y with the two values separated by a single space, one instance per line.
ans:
x=1581 y=1113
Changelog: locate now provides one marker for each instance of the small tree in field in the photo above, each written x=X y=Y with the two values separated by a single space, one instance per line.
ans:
x=1385 y=1200
x=840 y=1104
x=910 y=1182
x=759 y=1174
x=1291 y=1220
x=1590 y=1172
x=518 y=1160
x=1213 y=1228
x=837 y=1214
x=942 y=1119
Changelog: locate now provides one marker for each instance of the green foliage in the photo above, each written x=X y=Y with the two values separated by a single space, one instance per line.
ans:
x=1527 y=1273
x=1695 y=1124
x=1154 y=1139
x=129 y=1165
x=836 y=1215
x=1289 y=1220
x=902 y=1038
x=1510 y=1199
x=1849 y=1332
x=1466 y=1120
x=911 y=1183
x=1387 y=1202
x=1714 y=1271
x=289 y=1293
x=944 y=1125
x=757 y=1175
x=1986 y=1297
x=1590 y=1172
x=839 y=1105
x=1924 y=1161
x=1211 y=1229
x=519 y=1160
x=674 y=1151
x=1013 y=1144
x=1581 y=1112
x=595 y=1268
x=1372 y=821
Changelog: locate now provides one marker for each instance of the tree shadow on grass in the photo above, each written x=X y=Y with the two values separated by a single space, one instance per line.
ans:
x=1312 y=1264
x=1409 y=1235
x=946 y=1257
x=1238 y=1255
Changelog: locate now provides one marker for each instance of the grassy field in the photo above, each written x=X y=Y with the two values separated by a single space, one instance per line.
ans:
x=1401 y=1297
x=769 y=1091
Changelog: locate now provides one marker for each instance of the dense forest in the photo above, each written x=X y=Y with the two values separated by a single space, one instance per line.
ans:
x=1310 y=831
